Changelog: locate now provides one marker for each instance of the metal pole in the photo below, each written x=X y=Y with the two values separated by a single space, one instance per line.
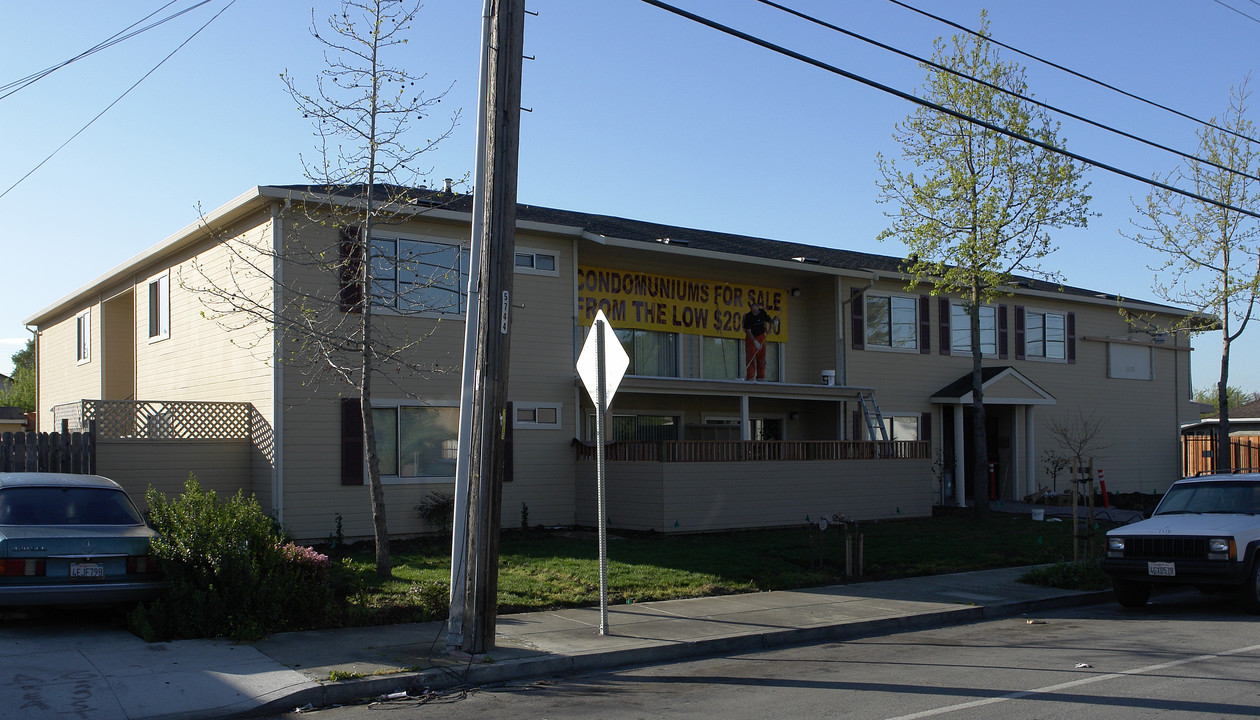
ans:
x=459 y=527
x=601 y=406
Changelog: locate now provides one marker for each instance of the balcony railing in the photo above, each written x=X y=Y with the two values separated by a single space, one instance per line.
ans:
x=756 y=450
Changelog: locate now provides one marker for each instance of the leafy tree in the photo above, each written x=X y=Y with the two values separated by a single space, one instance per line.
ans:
x=1212 y=254
x=975 y=206
x=20 y=392
x=366 y=175
x=1237 y=396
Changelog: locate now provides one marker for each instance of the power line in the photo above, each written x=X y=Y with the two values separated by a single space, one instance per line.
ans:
x=118 y=99
x=21 y=83
x=1005 y=91
x=1074 y=73
x=1240 y=12
x=940 y=108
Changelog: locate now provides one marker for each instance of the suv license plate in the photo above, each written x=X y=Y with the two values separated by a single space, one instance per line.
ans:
x=1161 y=569
x=87 y=570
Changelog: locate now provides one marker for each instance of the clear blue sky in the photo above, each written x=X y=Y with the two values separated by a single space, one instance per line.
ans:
x=635 y=112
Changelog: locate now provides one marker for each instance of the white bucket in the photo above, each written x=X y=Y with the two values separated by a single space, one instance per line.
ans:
x=828 y=377
x=1038 y=514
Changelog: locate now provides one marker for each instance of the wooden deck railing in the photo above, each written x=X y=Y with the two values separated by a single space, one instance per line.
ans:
x=738 y=450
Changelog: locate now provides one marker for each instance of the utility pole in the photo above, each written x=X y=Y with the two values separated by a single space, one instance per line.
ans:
x=486 y=369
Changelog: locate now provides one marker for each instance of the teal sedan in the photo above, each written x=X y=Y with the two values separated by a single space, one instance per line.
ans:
x=72 y=540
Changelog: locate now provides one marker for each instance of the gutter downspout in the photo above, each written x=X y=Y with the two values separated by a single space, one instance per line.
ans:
x=277 y=370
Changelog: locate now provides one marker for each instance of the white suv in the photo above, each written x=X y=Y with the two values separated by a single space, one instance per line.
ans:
x=1205 y=532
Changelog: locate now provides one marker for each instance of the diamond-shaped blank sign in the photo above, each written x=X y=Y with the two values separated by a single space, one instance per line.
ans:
x=616 y=361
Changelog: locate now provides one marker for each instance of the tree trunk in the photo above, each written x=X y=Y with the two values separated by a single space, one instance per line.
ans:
x=1223 y=454
x=979 y=438
x=380 y=529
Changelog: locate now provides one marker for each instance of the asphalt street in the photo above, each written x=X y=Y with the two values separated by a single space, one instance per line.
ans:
x=1185 y=656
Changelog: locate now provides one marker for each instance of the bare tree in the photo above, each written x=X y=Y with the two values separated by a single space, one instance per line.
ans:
x=1212 y=255
x=336 y=270
x=1078 y=437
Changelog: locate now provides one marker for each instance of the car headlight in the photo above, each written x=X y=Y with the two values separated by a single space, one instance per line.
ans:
x=1221 y=549
x=1115 y=547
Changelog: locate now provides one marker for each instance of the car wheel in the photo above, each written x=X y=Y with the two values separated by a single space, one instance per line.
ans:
x=1130 y=593
x=1251 y=590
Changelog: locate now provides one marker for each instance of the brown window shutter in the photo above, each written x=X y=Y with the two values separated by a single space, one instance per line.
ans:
x=1003 y=353
x=1020 y=329
x=925 y=325
x=943 y=309
x=858 y=326
x=351 y=442
x=351 y=270
x=1071 y=337
x=925 y=427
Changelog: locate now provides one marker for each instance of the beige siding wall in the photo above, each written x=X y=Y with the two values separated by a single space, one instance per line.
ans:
x=219 y=465
x=695 y=497
x=1141 y=418
x=61 y=378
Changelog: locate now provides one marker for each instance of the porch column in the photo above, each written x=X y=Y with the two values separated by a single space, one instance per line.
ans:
x=1030 y=450
x=745 y=428
x=960 y=460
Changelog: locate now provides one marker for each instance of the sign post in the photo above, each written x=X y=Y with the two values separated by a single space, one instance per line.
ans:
x=601 y=365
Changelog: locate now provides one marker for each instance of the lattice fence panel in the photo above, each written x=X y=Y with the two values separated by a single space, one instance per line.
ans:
x=169 y=420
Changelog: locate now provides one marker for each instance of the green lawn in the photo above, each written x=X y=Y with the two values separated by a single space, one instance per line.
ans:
x=545 y=570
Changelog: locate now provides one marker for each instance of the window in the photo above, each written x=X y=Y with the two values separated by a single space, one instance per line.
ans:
x=960 y=329
x=83 y=336
x=417 y=441
x=652 y=353
x=535 y=262
x=160 y=307
x=892 y=321
x=419 y=276
x=536 y=415
x=902 y=427
x=1046 y=335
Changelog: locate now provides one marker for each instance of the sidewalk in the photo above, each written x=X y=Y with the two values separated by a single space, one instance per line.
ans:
x=111 y=674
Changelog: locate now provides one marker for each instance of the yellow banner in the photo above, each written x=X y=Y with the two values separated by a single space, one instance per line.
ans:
x=645 y=301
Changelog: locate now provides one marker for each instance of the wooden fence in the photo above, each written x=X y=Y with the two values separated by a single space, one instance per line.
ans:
x=49 y=452
x=738 y=450
x=1198 y=453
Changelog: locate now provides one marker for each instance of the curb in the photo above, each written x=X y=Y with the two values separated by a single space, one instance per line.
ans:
x=545 y=666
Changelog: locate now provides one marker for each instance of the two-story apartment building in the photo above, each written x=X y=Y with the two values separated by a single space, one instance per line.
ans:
x=697 y=448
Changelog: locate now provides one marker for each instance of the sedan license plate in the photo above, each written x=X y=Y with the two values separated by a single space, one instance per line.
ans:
x=1161 y=569
x=87 y=570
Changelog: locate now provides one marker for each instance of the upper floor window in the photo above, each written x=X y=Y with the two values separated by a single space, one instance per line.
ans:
x=960 y=329
x=83 y=336
x=419 y=276
x=652 y=353
x=160 y=307
x=535 y=261
x=892 y=321
x=1045 y=335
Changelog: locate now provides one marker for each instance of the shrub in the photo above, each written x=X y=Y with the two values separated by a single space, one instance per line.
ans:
x=437 y=509
x=1082 y=575
x=229 y=572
